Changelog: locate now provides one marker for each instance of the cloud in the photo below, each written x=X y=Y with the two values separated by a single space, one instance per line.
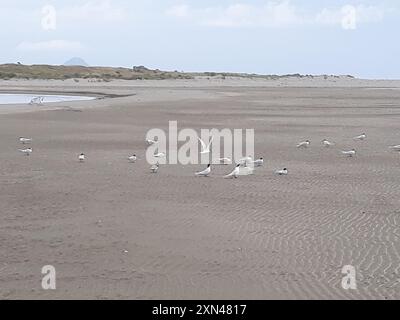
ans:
x=93 y=11
x=360 y=14
x=243 y=15
x=277 y=14
x=179 y=11
x=240 y=15
x=52 y=45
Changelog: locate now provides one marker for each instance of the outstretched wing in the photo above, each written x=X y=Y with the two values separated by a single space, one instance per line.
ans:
x=211 y=141
x=203 y=145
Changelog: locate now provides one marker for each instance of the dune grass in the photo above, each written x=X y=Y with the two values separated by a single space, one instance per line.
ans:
x=19 y=71
x=46 y=72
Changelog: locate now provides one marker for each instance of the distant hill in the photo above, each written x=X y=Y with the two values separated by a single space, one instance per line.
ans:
x=76 y=61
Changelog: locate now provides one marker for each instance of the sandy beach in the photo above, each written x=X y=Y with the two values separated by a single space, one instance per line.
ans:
x=113 y=230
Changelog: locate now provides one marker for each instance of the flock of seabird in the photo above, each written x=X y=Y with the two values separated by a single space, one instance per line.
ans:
x=349 y=153
x=24 y=141
x=246 y=164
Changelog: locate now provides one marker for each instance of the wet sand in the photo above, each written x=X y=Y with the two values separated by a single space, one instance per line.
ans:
x=113 y=230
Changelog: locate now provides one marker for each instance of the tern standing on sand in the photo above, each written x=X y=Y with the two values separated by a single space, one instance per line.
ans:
x=154 y=168
x=350 y=153
x=234 y=173
x=361 y=137
x=258 y=162
x=327 y=143
x=132 y=158
x=395 y=148
x=37 y=100
x=283 y=172
x=304 y=144
x=81 y=157
x=27 y=152
x=25 y=140
x=205 y=173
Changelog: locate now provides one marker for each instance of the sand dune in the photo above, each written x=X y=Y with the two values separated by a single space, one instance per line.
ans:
x=114 y=230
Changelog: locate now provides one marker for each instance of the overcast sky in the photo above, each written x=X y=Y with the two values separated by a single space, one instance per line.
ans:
x=261 y=36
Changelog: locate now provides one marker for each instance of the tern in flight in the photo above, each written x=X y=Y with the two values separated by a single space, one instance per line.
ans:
x=205 y=148
x=159 y=155
x=225 y=161
x=151 y=142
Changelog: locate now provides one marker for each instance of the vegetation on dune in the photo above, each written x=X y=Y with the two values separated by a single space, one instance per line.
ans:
x=19 y=71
